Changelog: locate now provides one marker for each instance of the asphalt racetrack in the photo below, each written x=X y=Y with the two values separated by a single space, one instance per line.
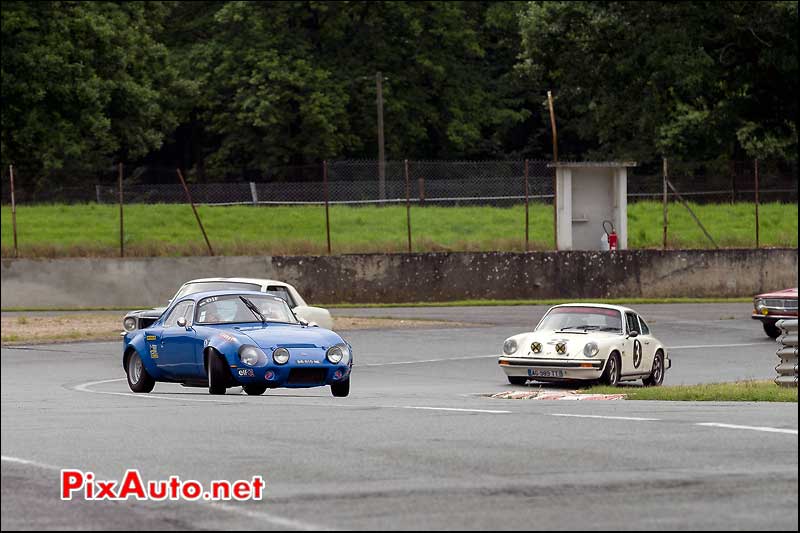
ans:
x=417 y=444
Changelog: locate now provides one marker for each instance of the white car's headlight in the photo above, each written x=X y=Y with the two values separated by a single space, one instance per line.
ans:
x=510 y=347
x=591 y=349
x=129 y=323
x=336 y=353
x=281 y=356
x=250 y=355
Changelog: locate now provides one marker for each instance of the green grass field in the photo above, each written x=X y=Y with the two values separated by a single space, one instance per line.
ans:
x=169 y=229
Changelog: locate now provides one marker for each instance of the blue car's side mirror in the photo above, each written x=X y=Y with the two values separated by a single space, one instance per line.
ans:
x=181 y=322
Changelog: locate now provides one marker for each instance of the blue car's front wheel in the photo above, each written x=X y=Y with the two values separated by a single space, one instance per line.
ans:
x=341 y=389
x=254 y=389
x=217 y=374
x=138 y=378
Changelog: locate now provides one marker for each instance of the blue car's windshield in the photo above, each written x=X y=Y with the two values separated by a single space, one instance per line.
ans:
x=231 y=309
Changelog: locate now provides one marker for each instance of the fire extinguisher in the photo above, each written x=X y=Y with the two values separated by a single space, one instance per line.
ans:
x=610 y=235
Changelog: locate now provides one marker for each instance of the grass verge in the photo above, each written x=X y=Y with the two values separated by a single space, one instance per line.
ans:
x=83 y=230
x=739 y=391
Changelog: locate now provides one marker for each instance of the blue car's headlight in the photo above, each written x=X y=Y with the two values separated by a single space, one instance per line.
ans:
x=336 y=353
x=281 y=356
x=129 y=323
x=251 y=355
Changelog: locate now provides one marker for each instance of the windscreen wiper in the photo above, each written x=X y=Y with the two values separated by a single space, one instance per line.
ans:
x=250 y=305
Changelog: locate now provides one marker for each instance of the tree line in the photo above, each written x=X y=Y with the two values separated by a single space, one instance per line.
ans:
x=221 y=88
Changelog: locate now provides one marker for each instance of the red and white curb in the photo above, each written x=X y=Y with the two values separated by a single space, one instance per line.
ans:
x=554 y=395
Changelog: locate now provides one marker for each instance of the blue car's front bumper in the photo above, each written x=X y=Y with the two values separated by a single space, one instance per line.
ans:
x=289 y=375
x=305 y=368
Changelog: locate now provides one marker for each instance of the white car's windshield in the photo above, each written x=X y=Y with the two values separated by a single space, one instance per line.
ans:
x=203 y=286
x=232 y=309
x=581 y=318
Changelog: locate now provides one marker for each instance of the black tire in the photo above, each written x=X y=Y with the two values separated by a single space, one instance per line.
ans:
x=341 y=389
x=656 y=377
x=138 y=378
x=771 y=330
x=517 y=380
x=254 y=389
x=612 y=371
x=217 y=374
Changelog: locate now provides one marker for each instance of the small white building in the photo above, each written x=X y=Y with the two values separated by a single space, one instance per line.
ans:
x=587 y=194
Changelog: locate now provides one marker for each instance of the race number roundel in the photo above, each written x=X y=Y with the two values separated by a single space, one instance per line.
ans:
x=637 y=353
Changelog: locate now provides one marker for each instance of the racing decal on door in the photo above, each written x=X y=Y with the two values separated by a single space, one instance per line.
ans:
x=637 y=353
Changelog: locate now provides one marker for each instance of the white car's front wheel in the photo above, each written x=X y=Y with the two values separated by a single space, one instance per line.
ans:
x=656 y=376
x=517 y=380
x=612 y=371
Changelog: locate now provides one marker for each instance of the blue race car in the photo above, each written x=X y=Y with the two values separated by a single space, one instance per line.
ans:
x=222 y=339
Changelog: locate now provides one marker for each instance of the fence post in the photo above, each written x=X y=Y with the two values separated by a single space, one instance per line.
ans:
x=97 y=192
x=121 y=225
x=408 y=205
x=327 y=215
x=254 y=193
x=555 y=172
x=526 y=205
x=189 y=197
x=13 y=210
x=421 y=182
x=757 y=200
x=666 y=199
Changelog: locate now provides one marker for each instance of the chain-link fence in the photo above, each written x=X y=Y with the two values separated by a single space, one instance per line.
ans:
x=499 y=205
x=494 y=183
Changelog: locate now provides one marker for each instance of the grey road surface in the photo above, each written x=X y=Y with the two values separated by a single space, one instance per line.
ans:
x=417 y=445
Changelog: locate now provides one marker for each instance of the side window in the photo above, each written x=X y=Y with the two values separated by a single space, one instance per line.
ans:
x=183 y=309
x=645 y=330
x=633 y=322
x=282 y=293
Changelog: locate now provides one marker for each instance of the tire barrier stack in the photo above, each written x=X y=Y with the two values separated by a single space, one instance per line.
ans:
x=787 y=368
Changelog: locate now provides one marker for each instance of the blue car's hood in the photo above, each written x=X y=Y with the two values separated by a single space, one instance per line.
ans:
x=290 y=335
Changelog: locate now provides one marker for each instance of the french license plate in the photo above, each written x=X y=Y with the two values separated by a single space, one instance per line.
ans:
x=533 y=373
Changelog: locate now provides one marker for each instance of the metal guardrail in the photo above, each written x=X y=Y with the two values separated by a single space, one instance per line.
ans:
x=787 y=368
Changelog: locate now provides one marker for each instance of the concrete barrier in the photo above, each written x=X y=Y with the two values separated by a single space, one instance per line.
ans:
x=397 y=278
x=787 y=368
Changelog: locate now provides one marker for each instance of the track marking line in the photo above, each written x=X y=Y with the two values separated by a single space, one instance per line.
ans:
x=27 y=462
x=428 y=360
x=696 y=346
x=454 y=409
x=84 y=387
x=751 y=428
x=635 y=418
x=279 y=521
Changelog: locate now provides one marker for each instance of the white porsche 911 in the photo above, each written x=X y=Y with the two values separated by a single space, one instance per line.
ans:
x=586 y=342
